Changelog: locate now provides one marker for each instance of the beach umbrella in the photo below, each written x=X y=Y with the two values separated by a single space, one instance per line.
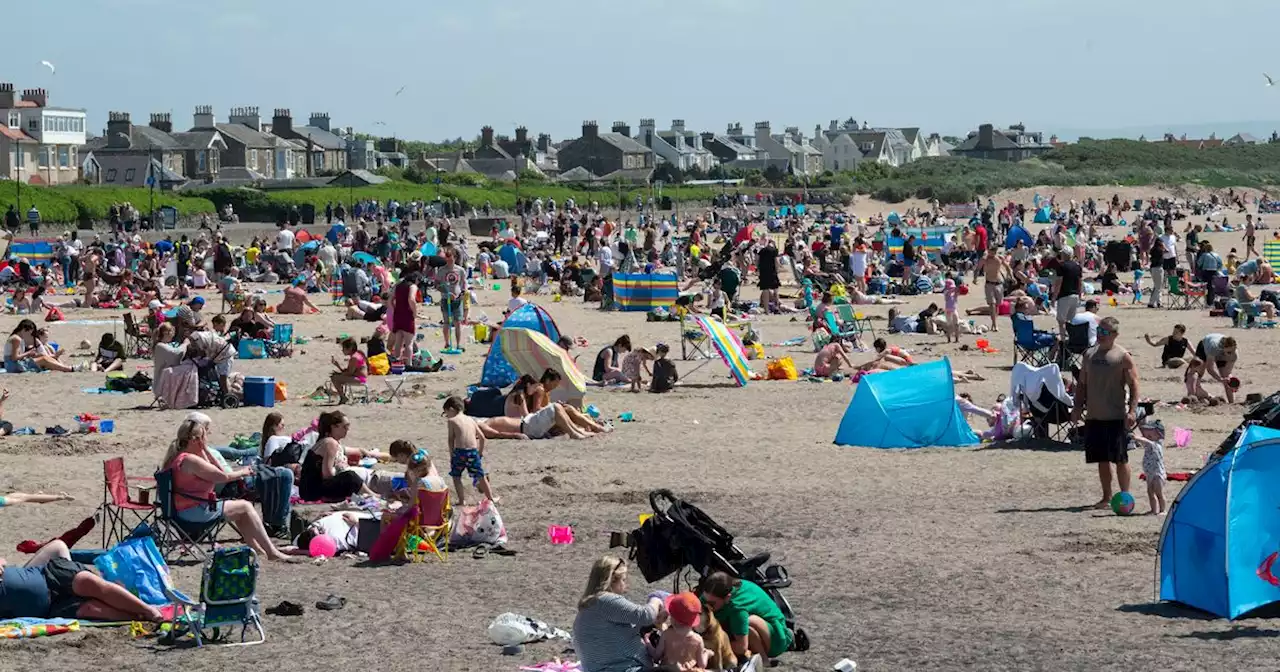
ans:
x=728 y=345
x=365 y=258
x=303 y=236
x=532 y=352
x=747 y=232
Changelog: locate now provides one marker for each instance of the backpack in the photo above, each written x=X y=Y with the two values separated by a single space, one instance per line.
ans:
x=290 y=454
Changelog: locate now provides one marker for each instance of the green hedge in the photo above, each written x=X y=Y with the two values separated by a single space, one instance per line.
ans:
x=72 y=204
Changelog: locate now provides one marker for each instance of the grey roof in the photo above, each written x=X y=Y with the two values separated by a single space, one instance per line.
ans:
x=123 y=163
x=629 y=175
x=910 y=134
x=576 y=174
x=676 y=140
x=199 y=139
x=998 y=141
x=498 y=168
x=145 y=137
x=737 y=147
x=322 y=138
x=357 y=176
x=622 y=142
x=247 y=136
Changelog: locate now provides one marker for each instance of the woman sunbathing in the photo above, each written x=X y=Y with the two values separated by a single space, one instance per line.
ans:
x=23 y=353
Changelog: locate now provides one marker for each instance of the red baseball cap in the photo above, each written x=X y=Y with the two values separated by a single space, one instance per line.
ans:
x=685 y=609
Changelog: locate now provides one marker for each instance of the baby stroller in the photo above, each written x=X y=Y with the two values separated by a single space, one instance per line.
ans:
x=209 y=389
x=681 y=535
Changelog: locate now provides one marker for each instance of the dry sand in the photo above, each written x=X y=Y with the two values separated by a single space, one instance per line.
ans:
x=902 y=560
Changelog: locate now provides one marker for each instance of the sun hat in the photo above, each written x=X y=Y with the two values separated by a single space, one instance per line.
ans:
x=685 y=609
x=1154 y=425
x=155 y=304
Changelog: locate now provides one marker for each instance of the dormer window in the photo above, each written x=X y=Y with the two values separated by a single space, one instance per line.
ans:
x=866 y=146
x=15 y=120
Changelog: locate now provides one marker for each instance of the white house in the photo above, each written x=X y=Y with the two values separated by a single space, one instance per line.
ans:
x=671 y=151
x=804 y=158
x=53 y=137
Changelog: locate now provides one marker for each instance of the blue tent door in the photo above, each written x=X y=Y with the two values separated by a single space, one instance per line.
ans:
x=912 y=407
x=497 y=371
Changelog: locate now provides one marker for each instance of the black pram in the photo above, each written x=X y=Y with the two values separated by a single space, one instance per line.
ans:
x=680 y=535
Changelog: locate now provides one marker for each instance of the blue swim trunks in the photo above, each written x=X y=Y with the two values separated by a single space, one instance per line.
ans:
x=466 y=459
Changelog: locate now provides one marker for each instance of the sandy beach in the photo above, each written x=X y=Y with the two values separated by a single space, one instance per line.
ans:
x=933 y=559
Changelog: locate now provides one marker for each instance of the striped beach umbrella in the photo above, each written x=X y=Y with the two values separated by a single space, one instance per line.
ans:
x=729 y=346
x=532 y=352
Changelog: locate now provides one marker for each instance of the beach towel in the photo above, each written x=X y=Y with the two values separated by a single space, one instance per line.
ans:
x=1173 y=476
x=28 y=628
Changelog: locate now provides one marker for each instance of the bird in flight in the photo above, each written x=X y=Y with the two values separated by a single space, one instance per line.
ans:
x=407 y=86
x=47 y=64
x=1270 y=82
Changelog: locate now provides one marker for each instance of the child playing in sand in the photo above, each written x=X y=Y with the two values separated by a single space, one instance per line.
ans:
x=635 y=365
x=680 y=647
x=466 y=451
x=1151 y=437
x=664 y=371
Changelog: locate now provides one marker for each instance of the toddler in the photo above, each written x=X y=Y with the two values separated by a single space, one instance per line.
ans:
x=635 y=365
x=1151 y=437
x=680 y=647
x=466 y=450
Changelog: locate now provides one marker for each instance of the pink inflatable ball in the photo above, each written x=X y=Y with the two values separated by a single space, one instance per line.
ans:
x=323 y=546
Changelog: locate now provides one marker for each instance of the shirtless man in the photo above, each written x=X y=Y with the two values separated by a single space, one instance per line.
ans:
x=1250 y=237
x=994 y=268
x=466 y=450
x=90 y=266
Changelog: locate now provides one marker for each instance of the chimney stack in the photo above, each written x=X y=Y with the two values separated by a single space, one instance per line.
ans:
x=246 y=116
x=734 y=129
x=282 y=122
x=319 y=120
x=763 y=130
x=486 y=136
x=986 y=136
x=38 y=96
x=7 y=99
x=203 y=117
x=119 y=130
x=162 y=122
x=677 y=125
x=590 y=130
x=544 y=142
x=522 y=134
x=621 y=128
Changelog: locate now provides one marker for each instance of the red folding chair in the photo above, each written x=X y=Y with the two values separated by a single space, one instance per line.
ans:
x=116 y=501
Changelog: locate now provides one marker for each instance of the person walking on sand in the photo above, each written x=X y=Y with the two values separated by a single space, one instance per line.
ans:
x=466 y=450
x=994 y=269
x=1107 y=373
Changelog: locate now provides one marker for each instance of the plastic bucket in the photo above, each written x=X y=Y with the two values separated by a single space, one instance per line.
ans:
x=107 y=426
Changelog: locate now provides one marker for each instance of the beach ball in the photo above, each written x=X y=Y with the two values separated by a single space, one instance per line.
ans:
x=1122 y=503
x=323 y=546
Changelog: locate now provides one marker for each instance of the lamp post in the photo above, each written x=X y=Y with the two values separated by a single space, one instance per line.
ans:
x=17 y=164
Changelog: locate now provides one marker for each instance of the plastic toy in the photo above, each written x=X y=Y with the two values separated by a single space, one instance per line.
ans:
x=322 y=546
x=560 y=535
x=1122 y=503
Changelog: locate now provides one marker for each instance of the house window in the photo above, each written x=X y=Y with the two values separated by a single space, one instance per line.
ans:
x=202 y=161
x=253 y=159
x=33 y=125
x=866 y=146
x=15 y=120
x=73 y=156
x=129 y=174
x=111 y=175
x=44 y=157
x=64 y=156
x=319 y=161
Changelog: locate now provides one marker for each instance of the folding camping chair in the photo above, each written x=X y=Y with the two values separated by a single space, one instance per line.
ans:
x=116 y=501
x=431 y=524
x=692 y=338
x=178 y=537
x=1025 y=346
x=855 y=319
x=1221 y=288
x=1043 y=402
x=1185 y=296
x=137 y=339
x=848 y=331
x=228 y=598
x=1071 y=352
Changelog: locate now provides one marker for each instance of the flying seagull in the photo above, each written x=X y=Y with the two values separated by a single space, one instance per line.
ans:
x=407 y=86
x=1270 y=82
x=47 y=64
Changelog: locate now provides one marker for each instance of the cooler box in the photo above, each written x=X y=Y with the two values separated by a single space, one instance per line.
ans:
x=282 y=333
x=260 y=391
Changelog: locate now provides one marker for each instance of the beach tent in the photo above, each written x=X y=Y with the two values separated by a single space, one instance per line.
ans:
x=1043 y=215
x=893 y=219
x=1220 y=544
x=515 y=259
x=1017 y=233
x=498 y=371
x=911 y=407
x=645 y=291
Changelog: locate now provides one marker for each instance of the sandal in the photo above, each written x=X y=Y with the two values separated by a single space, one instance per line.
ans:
x=502 y=550
x=331 y=603
x=480 y=552
x=286 y=608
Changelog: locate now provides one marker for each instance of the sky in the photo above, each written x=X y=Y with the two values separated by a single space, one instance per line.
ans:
x=942 y=65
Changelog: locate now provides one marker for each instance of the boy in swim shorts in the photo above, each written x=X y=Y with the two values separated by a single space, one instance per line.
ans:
x=466 y=451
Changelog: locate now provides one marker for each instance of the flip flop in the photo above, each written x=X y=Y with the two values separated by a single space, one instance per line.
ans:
x=331 y=603
x=480 y=552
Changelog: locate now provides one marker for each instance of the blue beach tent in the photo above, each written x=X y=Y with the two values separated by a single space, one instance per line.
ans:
x=911 y=407
x=1017 y=233
x=1220 y=546
x=498 y=372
